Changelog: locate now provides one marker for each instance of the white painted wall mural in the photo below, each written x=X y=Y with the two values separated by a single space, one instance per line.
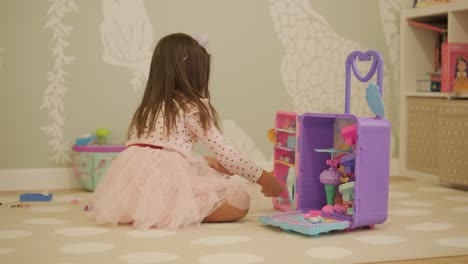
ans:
x=243 y=142
x=390 y=16
x=314 y=57
x=54 y=94
x=1 y=62
x=127 y=38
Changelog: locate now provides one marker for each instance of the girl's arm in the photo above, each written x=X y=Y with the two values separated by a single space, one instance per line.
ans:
x=213 y=163
x=232 y=160
x=223 y=152
x=270 y=186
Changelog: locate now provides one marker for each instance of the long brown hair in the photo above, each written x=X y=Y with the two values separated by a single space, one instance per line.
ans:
x=178 y=77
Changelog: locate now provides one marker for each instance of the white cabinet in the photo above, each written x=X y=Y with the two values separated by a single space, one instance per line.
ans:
x=425 y=146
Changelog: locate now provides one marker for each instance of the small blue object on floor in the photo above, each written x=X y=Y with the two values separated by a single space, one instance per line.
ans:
x=35 y=197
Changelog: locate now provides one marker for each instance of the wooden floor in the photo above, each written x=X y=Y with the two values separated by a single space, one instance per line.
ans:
x=447 y=260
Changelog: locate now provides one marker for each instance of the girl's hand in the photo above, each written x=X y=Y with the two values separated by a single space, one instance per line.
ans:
x=213 y=163
x=270 y=186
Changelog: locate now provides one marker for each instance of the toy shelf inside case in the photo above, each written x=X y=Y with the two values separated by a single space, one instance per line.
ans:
x=341 y=164
x=284 y=138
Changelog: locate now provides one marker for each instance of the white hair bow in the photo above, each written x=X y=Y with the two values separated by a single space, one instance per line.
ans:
x=202 y=39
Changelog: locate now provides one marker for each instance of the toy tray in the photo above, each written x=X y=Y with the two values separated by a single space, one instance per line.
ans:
x=294 y=221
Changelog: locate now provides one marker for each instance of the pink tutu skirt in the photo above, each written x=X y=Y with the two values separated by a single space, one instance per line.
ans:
x=162 y=189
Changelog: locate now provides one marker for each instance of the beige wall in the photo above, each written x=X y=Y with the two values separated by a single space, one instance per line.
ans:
x=267 y=55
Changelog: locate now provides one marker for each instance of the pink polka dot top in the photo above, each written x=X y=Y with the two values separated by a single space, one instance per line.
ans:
x=186 y=134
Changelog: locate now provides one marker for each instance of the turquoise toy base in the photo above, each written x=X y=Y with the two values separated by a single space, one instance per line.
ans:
x=294 y=221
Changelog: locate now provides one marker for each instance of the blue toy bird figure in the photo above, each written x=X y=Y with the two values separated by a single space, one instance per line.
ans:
x=374 y=100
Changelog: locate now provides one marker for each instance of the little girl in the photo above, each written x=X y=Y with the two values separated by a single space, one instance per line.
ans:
x=157 y=181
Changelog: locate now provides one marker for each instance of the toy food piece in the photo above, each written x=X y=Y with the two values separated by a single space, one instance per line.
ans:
x=85 y=139
x=101 y=135
x=314 y=216
x=331 y=179
x=272 y=135
x=339 y=208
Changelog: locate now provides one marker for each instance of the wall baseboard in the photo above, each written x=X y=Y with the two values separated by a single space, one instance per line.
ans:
x=37 y=179
x=394 y=167
x=63 y=178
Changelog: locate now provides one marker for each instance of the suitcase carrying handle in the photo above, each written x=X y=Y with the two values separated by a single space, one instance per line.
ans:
x=377 y=66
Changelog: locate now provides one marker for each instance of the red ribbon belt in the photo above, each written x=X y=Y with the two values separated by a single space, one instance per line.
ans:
x=145 y=146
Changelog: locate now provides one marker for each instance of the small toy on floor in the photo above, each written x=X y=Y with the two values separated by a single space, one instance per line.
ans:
x=19 y=205
x=36 y=197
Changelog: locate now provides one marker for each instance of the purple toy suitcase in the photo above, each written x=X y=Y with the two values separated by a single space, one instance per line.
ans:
x=367 y=161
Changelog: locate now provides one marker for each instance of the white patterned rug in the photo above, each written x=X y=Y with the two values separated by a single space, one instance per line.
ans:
x=425 y=221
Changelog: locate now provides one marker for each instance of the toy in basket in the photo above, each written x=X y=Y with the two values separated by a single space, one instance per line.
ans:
x=342 y=163
x=91 y=160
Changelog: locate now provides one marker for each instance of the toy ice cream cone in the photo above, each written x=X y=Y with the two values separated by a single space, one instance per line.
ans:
x=330 y=190
x=331 y=179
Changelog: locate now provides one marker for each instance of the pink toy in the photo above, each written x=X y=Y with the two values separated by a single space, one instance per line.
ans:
x=314 y=216
x=88 y=207
x=349 y=134
x=334 y=162
x=315 y=213
x=74 y=201
x=328 y=209
x=340 y=208
x=285 y=158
